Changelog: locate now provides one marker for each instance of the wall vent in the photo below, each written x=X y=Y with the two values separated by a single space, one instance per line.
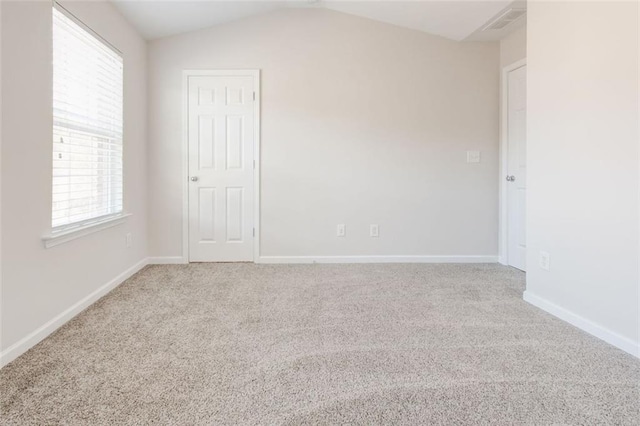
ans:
x=504 y=19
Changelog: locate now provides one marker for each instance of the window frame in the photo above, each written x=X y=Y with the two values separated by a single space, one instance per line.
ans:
x=67 y=232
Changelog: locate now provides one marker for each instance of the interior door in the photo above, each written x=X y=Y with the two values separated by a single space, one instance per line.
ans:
x=221 y=167
x=517 y=167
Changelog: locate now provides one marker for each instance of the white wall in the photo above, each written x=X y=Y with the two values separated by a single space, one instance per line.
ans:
x=583 y=165
x=0 y=182
x=513 y=47
x=362 y=122
x=40 y=284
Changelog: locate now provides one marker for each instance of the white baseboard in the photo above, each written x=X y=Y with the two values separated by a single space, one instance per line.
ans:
x=20 y=347
x=584 y=324
x=168 y=260
x=377 y=259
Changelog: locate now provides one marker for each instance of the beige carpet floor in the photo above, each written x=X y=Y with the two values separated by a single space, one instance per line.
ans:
x=320 y=344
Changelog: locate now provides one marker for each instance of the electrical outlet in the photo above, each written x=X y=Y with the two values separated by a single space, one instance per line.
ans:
x=342 y=230
x=473 y=156
x=374 y=231
x=128 y=240
x=544 y=260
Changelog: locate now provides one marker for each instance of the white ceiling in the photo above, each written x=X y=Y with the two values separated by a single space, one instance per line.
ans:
x=454 y=19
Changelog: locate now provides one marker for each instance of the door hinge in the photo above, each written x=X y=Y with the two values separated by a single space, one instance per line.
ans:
x=254 y=96
x=254 y=164
x=254 y=232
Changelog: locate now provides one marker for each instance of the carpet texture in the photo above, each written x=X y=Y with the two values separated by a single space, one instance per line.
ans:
x=320 y=344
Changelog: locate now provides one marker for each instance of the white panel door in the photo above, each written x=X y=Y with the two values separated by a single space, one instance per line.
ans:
x=221 y=168
x=517 y=167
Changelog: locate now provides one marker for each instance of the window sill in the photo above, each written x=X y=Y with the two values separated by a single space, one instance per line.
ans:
x=56 y=238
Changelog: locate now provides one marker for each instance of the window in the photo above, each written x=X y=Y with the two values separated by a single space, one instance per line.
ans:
x=87 y=126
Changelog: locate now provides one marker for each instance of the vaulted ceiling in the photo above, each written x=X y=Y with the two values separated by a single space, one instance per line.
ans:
x=454 y=19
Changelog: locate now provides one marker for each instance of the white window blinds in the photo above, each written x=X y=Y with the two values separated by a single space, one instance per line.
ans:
x=87 y=125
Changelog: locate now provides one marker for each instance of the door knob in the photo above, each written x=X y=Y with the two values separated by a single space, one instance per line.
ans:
x=194 y=178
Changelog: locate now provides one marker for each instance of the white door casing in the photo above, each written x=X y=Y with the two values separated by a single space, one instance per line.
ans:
x=516 y=167
x=221 y=122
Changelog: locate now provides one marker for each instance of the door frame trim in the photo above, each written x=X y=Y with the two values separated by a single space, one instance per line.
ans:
x=255 y=73
x=503 y=244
